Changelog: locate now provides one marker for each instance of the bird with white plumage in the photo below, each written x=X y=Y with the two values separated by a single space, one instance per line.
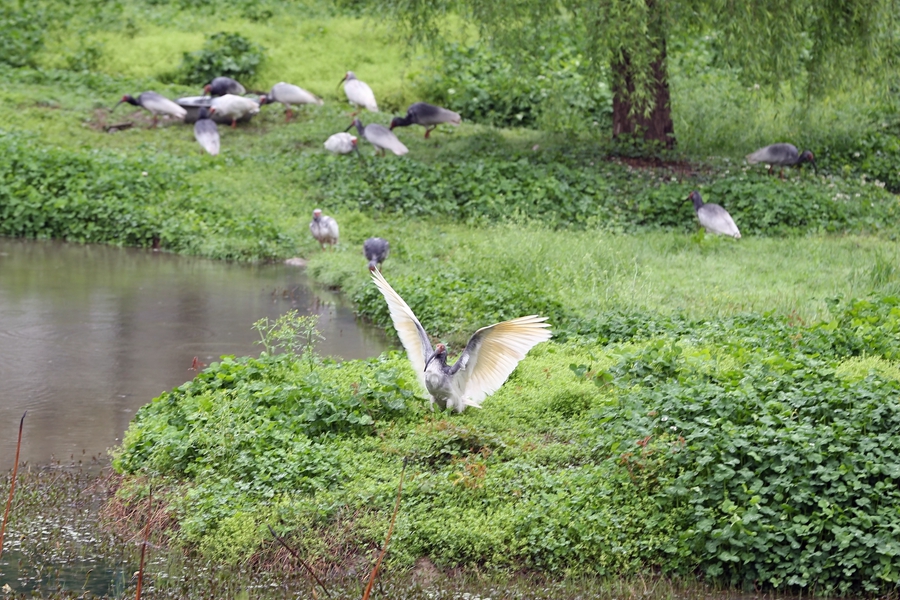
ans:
x=233 y=107
x=290 y=95
x=380 y=136
x=324 y=229
x=157 y=104
x=206 y=132
x=359 y=93
x=713 y=217
x=342 y=143
x=486 y=363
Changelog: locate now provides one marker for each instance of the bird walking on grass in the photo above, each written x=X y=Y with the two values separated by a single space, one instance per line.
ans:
x=224 y=85
x=713 y=217
x=233 y=107
x=157 y=104
x=376 y=250
x=359 y=93
x=342 y=143
x=381 y=137
x=487 y=361
x=289 y=95
x=427 y=115
x=782 y=155
x=206 y=132
x=324 y=229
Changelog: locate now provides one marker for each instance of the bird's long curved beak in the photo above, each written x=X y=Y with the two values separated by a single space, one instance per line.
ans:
x=349 y=127
x=341 y=81
x=117 y=105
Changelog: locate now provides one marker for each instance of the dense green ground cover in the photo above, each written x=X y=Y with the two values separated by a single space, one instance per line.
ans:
x=707 y=406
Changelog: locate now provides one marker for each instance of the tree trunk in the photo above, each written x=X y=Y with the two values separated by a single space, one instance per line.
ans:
x=630 y=119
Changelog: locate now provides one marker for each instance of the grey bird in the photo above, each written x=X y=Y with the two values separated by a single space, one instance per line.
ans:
x=380 y=136
x=289 y=94
x=224 y=85
x=206 y=132
x=324 y=229
x=487 y=361
x=157 y=104
x=783 y=155
x=713 y=217
x=376 y=250
x=427 y=115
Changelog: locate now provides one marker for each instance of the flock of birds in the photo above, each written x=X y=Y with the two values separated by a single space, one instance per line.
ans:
x=229 y=102
x=493 y=352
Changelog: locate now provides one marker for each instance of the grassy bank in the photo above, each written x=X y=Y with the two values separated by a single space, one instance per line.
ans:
x=714 y=406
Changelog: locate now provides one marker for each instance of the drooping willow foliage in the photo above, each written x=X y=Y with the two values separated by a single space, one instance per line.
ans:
x=820 y=43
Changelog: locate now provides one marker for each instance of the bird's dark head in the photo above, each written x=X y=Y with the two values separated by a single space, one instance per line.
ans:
x=356 y=123
x=203 y=113
x=207 y=89
x=264 y=99
x=395 y=122
x=696 y=199
x=373 y=265
x=126 y=98
x=440 y=353
x=807 y=156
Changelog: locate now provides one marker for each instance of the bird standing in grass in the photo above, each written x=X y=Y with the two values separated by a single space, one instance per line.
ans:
x=487 y=361
x=381 y=137
x=713 y=217
x=783 y=155
x=206 y=132
x=427 y=115
x=359 y=93
x=376 y=250
x=224 y=85
x=157 y=104
x=324 y=229
x=289 y=94
x=233 y=107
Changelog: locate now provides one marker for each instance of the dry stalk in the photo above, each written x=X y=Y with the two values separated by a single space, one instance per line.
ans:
x=387 y=538
x=12 y=484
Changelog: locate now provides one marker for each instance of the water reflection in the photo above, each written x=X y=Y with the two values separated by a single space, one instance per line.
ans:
x=90 y=333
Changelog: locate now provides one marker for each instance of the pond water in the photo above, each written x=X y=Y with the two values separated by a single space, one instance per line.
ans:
x=88 y=334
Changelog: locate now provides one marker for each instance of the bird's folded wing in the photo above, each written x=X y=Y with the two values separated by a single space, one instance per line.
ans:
x=411 y=333
x=494 y=351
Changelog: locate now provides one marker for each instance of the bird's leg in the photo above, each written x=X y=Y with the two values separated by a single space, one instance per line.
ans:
x=234 y=123
x=289 y=114
x=781 y=174
x=155 y=119
x=428 y=130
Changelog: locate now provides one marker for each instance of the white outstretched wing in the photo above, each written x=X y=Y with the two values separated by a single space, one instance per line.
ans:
x=492 y=354
x=412 y=335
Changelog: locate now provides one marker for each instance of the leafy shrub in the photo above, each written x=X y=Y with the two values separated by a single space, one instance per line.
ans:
x=21 y=33
x=223 y=54
x=100 y=197
x=513 y=187
x=874 y=154
x=550 y=90
x=782 y=472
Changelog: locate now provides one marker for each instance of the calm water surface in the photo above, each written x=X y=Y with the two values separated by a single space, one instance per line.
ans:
x=88 y=334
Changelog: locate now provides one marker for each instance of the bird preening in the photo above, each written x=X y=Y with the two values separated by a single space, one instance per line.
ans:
x=782 y=155
x=342 y=143
x=224 y=85
x=427 y=115
x=713 y=217
x=206 y=132
x=484 y=365
x=233 y=107
x=324 y=229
